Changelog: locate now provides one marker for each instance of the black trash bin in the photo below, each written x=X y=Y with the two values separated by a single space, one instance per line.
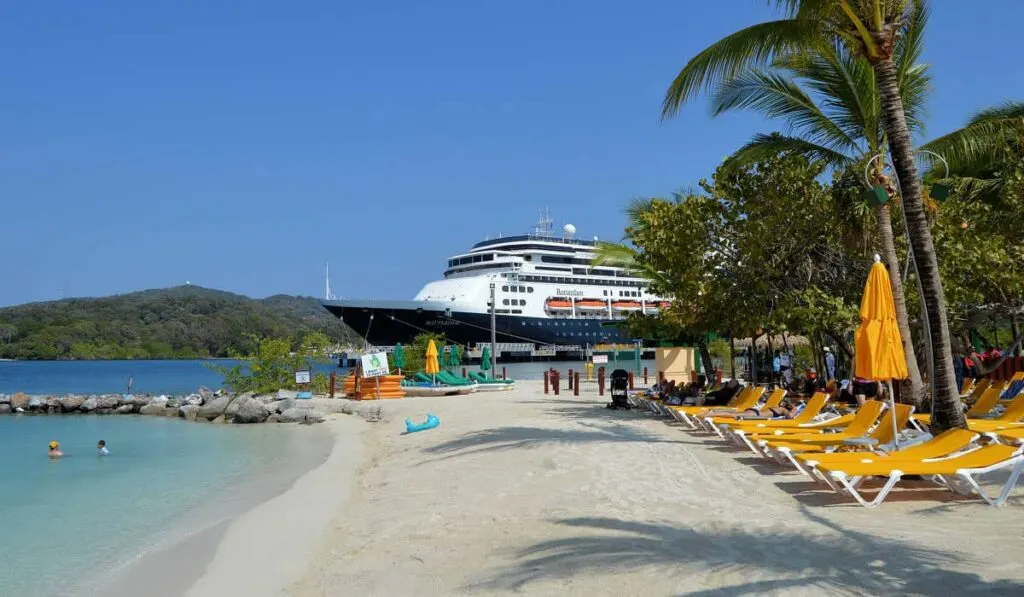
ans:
x=620 y=389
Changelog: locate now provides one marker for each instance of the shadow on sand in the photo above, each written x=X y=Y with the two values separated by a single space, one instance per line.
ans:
x=856 y=563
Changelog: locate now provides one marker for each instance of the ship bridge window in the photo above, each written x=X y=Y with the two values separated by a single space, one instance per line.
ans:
x=522 y=289
x=504 y=301
x=504 y=288
x=529 y=289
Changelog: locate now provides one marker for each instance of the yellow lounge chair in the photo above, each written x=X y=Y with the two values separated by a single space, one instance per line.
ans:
x=1011 y=418
x=967 y=386
x=859 y=423
x=739 y=430
x=957 y=473
x=746 y=398
x=946 y=443
x=709 y=423
x=981 y=407
x=883 y=433
x=1011 y=436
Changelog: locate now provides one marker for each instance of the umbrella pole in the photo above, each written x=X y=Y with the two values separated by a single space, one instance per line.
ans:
x=892 y=413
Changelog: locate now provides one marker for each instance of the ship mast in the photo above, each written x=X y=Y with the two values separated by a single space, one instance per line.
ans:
x=544 y=224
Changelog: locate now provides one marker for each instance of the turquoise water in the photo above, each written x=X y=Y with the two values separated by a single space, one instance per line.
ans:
x=67 y=523
x=177 y=377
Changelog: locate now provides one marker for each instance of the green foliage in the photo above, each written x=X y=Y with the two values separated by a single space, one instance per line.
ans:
x=271 y=366
x=181 y=322
x=719 y=349
x=415 y=353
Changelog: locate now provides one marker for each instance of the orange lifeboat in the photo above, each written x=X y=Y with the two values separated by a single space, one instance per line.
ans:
x=590 y=305
x=664 y=305
x=626 y=306
x=558 y=305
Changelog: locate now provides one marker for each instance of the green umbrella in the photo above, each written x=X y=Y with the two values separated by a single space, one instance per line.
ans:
x=456 y=356
x=398 y=357
x=485 y=358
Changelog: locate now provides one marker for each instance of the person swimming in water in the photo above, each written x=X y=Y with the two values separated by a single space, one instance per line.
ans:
x=101 y=447
x=55 y=450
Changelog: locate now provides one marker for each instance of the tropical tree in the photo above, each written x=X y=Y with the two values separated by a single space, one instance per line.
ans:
x=872 y=29
x=831 y=102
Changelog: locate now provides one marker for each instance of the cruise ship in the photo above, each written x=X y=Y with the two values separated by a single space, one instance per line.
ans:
x=546 y=290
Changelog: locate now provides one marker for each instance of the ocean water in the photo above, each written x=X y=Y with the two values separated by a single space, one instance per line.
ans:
x=178 y=377
x=70 y=523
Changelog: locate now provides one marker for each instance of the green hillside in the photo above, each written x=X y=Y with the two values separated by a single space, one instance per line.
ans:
x=179 y=322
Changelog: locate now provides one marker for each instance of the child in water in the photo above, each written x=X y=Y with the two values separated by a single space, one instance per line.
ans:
x=55 y=450
x=101 y=447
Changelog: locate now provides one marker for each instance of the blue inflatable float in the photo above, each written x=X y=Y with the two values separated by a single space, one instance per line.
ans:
x=430 y=423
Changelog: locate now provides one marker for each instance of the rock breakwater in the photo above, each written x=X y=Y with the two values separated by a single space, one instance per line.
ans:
x=204 y=405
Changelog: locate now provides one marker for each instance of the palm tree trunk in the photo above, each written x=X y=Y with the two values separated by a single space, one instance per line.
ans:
x=948 y=410
x=914 y=393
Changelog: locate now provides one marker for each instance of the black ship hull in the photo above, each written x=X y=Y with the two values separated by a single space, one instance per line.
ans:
x=385 y=323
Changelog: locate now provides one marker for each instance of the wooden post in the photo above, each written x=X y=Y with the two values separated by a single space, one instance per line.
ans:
x=631 y=380
x=334 y=380
x=554 y=381
x=503 y=372
x=547 y=382
x=600 y=381
x=569 y=382
x=661 y=376
x=718 y=376
x=645 y=377
x=463 y=372
x=357 y=387
x=576 y=384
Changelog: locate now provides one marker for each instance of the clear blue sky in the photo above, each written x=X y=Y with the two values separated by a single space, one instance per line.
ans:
x=240 y=145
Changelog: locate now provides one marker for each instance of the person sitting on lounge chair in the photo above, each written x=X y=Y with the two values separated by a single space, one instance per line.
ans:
x=722 y=396
x=786 y=410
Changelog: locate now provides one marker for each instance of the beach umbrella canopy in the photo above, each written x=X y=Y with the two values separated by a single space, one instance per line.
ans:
x=456 y=356
x=879 y=348
x=398 y=357
x=431 y=366
x=485 y=358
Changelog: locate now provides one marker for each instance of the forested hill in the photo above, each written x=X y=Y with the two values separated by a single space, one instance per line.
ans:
x=180 y=322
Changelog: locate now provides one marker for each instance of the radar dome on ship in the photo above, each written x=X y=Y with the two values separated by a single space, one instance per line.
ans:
x=569 y=229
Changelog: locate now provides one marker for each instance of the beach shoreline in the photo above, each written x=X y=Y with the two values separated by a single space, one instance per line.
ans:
x=177 y=565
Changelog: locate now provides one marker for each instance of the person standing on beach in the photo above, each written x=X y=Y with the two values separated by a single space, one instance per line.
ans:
x=55 y=450
x=830 y=364
x=101 y=447
x=776 y=368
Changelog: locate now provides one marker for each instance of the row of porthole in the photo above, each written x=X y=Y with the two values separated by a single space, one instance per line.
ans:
x=527 y=289
x=519 y=302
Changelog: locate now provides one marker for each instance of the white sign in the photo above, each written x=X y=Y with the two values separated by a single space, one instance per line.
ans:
x=375 y=364
x=302 y=377
x=600 y=359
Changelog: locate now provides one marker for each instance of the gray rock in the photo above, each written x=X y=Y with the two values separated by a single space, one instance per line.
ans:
x=173 y=402
x=215 y=408
x=89 y=404
x=53 y=404
x=205 y=395
x=125 y=409
x=71 y=403
x=285 y=394
x=5 y=408
x=219 y=419
x=192 y=399
x=36 y=402
x=155 y=409
x=249 y=410
x=189 y=411
x=274 y=419
x=5 y=399
x=279 y=406
x=301 y=415
x=110 y=401
x=232 y=408
x=161 y=399
x=19 y=400
x=139 y=401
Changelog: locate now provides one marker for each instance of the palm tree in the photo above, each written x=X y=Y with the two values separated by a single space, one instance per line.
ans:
x=832 y=105
x=872 y=29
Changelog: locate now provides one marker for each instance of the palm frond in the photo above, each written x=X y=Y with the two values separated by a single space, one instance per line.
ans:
x=777 y=96
x=615 y=254
x=726 y=58
x=762 y=147
x=990 y=136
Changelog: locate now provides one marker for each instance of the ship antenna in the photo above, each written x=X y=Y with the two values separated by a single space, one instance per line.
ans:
x=544 y=224
x=328 y=295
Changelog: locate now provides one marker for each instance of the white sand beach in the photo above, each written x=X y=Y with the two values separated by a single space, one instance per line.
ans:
x=522 y=493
